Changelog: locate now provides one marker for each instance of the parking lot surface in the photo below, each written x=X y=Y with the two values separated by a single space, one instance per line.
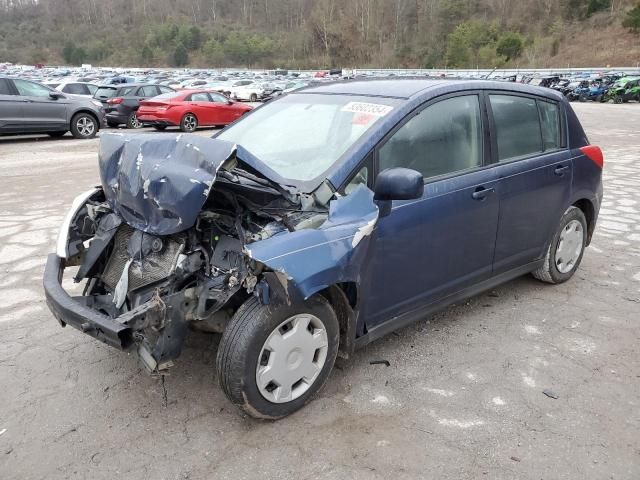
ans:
x=462 y=397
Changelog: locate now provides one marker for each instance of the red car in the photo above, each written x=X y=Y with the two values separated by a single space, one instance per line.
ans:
x=189 y=109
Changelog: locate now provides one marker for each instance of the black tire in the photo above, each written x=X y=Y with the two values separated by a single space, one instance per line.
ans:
x=599 y=99
x=133 y=122
x=617 y=99
x=582 y=97
x=84 y=126
x=549 y=272
x=189 y=123
x=241 y=345
x=57 y=134
x=112 y=124
x=253 y=97
x=160 y=127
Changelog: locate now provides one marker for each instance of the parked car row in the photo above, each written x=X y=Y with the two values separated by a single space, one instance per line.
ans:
x=605 y=88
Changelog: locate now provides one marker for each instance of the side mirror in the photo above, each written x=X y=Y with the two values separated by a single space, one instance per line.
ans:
x=55 y=95
x=397 y=184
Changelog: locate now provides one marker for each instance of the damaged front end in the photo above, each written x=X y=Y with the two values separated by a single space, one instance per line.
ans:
x=160 y=249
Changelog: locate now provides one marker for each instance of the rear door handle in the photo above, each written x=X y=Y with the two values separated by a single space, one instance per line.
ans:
x=560 y=169
x=482 y=192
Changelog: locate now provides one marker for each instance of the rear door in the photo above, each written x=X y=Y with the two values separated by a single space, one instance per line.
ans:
x=11 y=117
x=534 y=167
x=437 y=245
x=40 y=111
x=202 y=108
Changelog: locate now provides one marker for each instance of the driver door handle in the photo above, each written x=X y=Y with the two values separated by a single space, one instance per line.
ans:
x=560 y=169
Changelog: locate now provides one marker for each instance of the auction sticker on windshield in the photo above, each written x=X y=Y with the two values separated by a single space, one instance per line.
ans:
x=369 y=108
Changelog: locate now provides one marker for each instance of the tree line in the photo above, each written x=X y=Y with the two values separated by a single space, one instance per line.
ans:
x=294 y=33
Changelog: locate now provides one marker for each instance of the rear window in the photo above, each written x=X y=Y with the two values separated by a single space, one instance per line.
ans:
x=168 y=95
x=105 y=92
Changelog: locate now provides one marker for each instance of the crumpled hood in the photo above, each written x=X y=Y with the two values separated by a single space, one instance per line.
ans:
x=159 y=183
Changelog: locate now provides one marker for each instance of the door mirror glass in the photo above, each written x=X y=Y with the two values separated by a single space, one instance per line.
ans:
x=399 y=184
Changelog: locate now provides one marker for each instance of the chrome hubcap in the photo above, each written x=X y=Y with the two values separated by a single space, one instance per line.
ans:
x=85 y=126
x=291 y=358
x=190 y=122
x=569 y=246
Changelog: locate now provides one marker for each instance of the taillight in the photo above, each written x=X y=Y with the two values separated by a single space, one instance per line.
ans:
x=114 y=101
x=594 y=154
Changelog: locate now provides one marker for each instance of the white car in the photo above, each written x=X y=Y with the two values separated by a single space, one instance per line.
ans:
x=84 y=89
x=253 y=92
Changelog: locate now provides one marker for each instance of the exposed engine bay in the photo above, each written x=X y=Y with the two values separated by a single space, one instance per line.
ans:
x=161 y=249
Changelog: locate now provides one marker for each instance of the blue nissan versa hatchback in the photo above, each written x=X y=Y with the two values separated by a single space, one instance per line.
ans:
x=321 y=221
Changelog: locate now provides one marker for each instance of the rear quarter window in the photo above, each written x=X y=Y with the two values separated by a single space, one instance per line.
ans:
x=5 y=88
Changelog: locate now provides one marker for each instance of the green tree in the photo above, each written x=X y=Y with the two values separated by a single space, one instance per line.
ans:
x=213 y=52
x=510 y=45
x=68 y=52
x=632 y=20
x=180 y=56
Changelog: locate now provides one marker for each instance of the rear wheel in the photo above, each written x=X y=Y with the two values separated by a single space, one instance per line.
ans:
x=566 y=248
x=57 y=134
x=253 y=97
x=84 y=125
x=189 y=123
x=617 y=99
x=133 y=122
x=273 y=359
x=582 y=97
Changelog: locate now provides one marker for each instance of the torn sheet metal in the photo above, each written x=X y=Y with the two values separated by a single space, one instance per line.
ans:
x=307 y=261
x=159 y=183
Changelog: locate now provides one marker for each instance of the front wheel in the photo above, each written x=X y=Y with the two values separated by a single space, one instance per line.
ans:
x=84 y=125
x=566 y=248
x=189 y=123
x=273 y=358
x=253 y=97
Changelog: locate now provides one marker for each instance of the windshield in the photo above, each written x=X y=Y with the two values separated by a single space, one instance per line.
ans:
x=301 y=136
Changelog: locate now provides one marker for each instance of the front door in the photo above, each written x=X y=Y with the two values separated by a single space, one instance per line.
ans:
x=429 y=248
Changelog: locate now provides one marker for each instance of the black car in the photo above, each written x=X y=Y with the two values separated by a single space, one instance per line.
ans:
x=121 y=102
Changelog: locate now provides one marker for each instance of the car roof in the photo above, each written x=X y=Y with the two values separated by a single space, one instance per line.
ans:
x=407 y=88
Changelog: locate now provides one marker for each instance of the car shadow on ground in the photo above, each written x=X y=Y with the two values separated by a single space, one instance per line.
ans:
x=17 y=139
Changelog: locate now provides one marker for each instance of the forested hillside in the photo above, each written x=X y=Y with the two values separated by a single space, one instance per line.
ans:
x=322 y=33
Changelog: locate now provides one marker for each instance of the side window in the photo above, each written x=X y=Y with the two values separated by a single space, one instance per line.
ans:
x=5 y=88
x=30 y=89
x=165 y=89
x=550 y=123
x=148 y=91
x=517 y=126
x=361 y=177
x=217 y=98
x=443 y=138
x=92 y=89
x=199 y=97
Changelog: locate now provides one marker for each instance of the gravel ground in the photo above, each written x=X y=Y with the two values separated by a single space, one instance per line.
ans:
x=462 y=397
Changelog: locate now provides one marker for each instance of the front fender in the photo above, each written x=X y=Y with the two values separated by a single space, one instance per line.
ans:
x=307 y=261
